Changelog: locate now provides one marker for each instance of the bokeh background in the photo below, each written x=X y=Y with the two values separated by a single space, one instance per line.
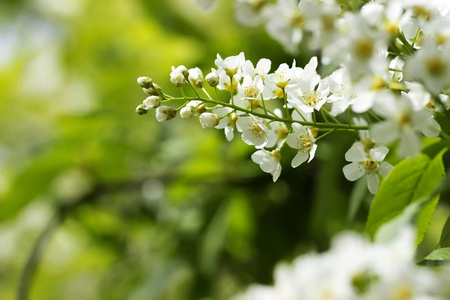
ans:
x=97 y=202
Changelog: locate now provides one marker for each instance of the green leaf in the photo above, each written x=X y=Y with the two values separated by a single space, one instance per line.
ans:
x=411 y=180
x=357 y=196
x=444 y=241
x=439 y=254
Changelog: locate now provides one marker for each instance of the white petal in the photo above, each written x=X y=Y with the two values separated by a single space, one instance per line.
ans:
x=409 y=144
x=229 y=133
x=431 y=128
x=373 y=183
x=384 y=169
x=379 y=153
x=356 y=153
x=353 y=171
x=277 y=173
x=384 y=132
x=312 y=152
x=300 y=158
x=258 y=156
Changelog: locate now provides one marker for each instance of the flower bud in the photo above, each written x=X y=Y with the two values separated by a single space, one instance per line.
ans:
x=180 y=69
x=187 y=112
x=212 y=79
x=150 y=91
x=145 y=82
x=209 y=120
x=201 y=108
x=141 y=110
x=152 y=102
x=177 y=79
x=165 y=113
x=196 y=78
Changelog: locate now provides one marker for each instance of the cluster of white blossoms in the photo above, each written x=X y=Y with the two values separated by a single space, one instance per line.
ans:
x=354 y=269
x=392 y=77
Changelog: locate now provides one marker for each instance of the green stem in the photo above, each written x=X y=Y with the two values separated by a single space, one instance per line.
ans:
x=331 y=116
x=275 y=118
x=204 y=90
x=288 y=115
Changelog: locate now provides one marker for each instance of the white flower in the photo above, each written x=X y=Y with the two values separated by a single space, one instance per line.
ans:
x=230 y=64
x=269 y=162
x=254 y=132
x=196 y=77
x=307 y=92
x=366 y=164
x=286 y=21
x=402 y=122
x=209 y=120
x=165 y=113
x=250 y=12
x=251 y=89
x=431 y=65
x=303 y=140
x=282 y=75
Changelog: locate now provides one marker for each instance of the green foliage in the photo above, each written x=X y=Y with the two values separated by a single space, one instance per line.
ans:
x=412 y=180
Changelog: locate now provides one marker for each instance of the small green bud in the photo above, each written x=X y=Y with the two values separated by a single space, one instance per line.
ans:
x=140 y=109
x=145 y=82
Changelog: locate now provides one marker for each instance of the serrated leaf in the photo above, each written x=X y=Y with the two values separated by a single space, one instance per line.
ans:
x=439 y=254
x=411 y=180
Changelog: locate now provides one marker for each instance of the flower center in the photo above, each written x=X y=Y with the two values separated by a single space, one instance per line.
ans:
x=251 y=91
x=311 y=98
x=256 y=129
x=327 y=22
x=297 y=20
x=371 y=166
x=422 y=12
x=364 y=48
x=404 y=119
x=403 y=292
x=378 y=83
x=305 y=142
x=435 y=66
x=279 y=77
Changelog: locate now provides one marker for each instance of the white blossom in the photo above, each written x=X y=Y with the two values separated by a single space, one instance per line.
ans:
x=303 y=140
x=370 y=164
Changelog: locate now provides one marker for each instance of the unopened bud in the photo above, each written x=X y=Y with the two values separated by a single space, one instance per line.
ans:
x=201 y=108
x=196 y=78
x=180 y=69
x=187 y=112
x=165 y=113
x=152 y=102
x=234 y=117
x=150 y=91
x=209 y=120
x=157 y=87
x=212 y=79
x=140 y=109
x=145 y=82
x=177 y=79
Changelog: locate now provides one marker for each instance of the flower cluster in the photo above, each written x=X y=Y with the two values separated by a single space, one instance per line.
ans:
x=391 y=79
x=354 y=269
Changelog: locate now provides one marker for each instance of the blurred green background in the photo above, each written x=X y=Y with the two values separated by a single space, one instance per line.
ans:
x=124 y=207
